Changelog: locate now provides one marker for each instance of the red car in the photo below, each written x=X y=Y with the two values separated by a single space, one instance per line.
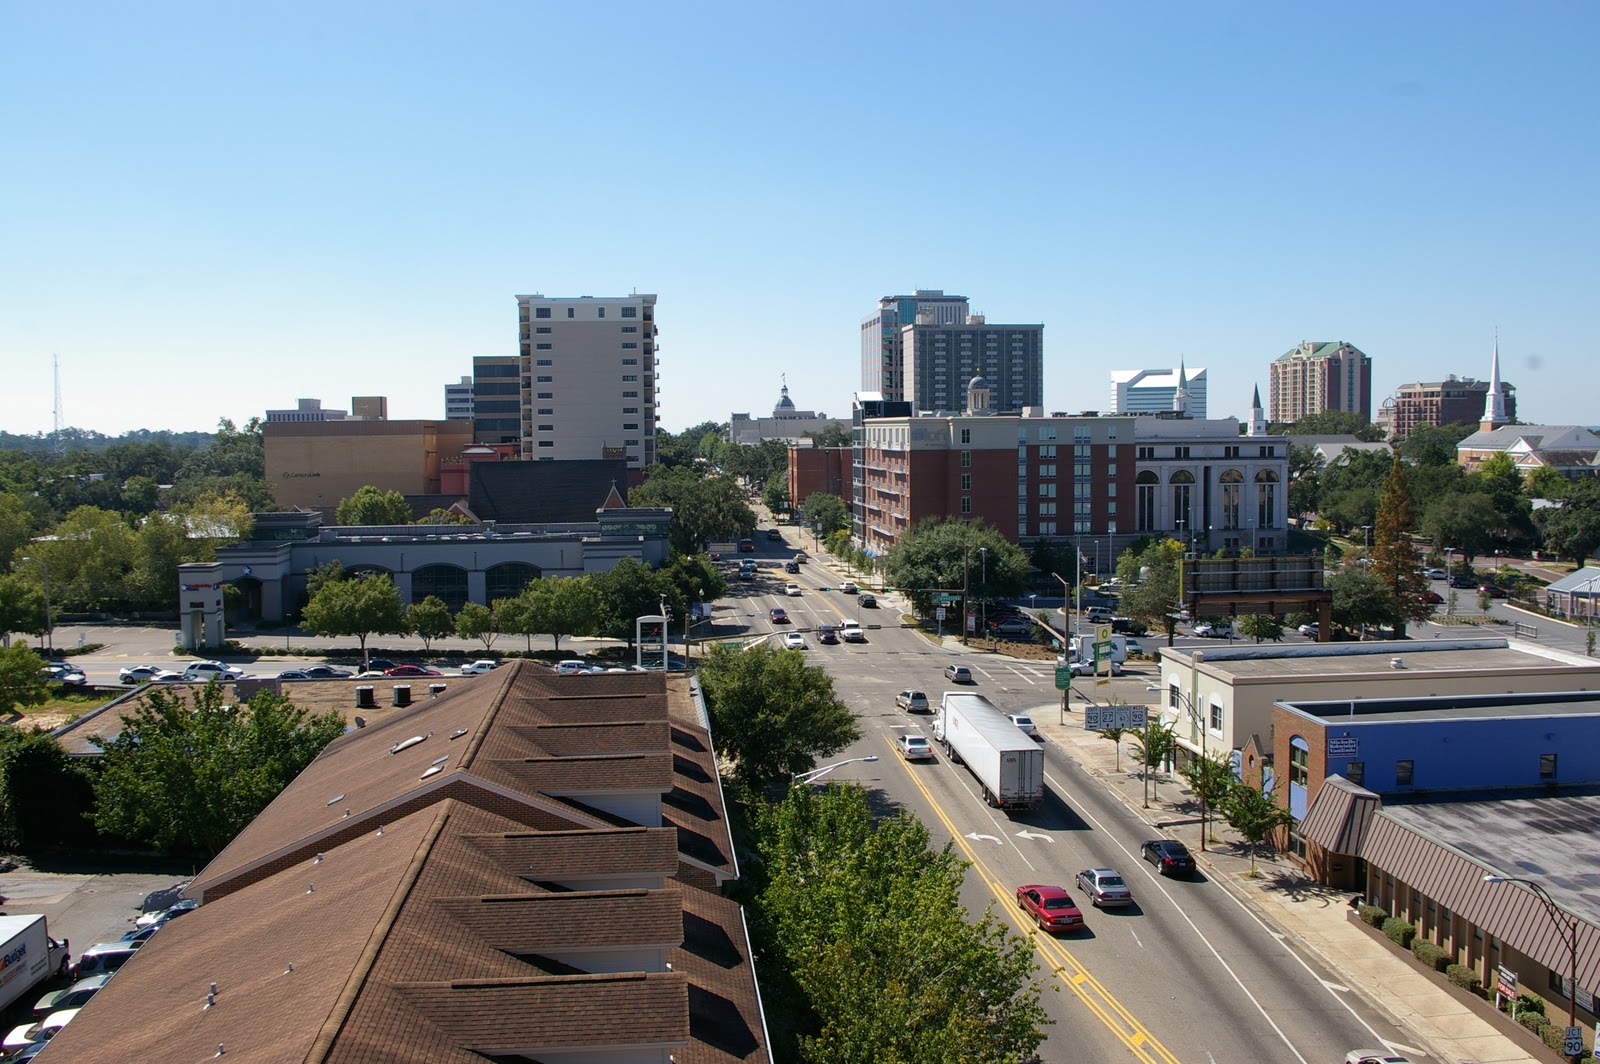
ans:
x=1050 y=907
x=1493 y=590
x=1432 y=598
x=412 y=670
x=777 y=615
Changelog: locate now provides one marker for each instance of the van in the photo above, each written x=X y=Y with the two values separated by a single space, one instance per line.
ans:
x=1098 y=615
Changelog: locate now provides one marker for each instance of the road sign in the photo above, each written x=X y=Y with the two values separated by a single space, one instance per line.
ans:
x=947 y=598
x=938 y=614
x=1063 y=677
x=1574 y=1043
x=1102 y=718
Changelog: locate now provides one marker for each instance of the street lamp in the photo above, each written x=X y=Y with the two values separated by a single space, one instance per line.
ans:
x=983 y=582
x=1449 y=583
x=49 y=628
x=1563 y=921
x=817 y=773
x=1366 y=544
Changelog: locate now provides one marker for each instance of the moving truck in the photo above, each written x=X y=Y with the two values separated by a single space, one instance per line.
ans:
x=1008 y=764
x=28 y=956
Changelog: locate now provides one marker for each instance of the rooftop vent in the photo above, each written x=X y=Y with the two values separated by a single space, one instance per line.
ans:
x=1397 y=663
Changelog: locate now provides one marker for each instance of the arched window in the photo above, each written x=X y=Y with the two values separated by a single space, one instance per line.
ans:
x=1182 y=502
x=1299 y=775
x=1145 y=485
x=508 y=579
x=448 y=582
x=1266 y=497
x=1232 y=482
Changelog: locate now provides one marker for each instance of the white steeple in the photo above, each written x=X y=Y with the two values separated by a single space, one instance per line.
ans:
x=1258 y=418
x=1180 y=398
x=1494 y=405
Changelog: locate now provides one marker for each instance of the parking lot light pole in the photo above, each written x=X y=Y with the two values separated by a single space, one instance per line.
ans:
x=1568 y=925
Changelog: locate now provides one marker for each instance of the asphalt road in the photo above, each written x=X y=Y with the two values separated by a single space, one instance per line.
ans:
x=1187 y=973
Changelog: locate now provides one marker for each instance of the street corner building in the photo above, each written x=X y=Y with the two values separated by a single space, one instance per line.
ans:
x=527 y=867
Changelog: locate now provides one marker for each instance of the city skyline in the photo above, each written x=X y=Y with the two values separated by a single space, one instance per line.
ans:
x=230 y=210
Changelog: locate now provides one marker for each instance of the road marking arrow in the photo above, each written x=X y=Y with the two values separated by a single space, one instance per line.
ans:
x=1034 y=835
x=973 y=835
x=1334 y=986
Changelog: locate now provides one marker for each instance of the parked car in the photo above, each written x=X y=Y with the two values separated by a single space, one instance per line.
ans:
x=482 y=665
x=1308 y=630
x=794 y=641
x=172 y=677
x=1128 y=626
x=1171 y=858
x=1098 y=614
x=379 y=664
x=1492 y=590
x=1025 y=725
x=774 y=535
x=75 y=996
x=867 y=600
x=915 y=748
x=848 y=588
x=1435 y=574
x=1012 y=626
x=958 y=674
x=103 y=957
x=139 y=673
x=1214 y=630
x=172 y=912
x=43 y=1030
x=827 y=634
x=1432 y=598
x=1104 y=887
x=911 y=701
x=68 y=675
x=1051 y=907
x=777 y=615
x=1464 y=580
x=792 y=590
x=1133 y=646
x=413 y=670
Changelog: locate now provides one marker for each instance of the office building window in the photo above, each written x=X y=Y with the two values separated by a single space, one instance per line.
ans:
x=1230 y=452
x=630 y=426
x=1145 y=500
x=630 y=395
x=630 y=346
x=1047 y=528
x=547 y=428
x=1047 y=451
x=541 y=312
x=966 y=435
x=966 y=459
x=546 y=379
x=1146 y=454
x=545 y=362
x=1180 y=452
x=1111 y=450
x=1547 y=766
x=546 y=411
x=542 y=347
x=966 y=482
x=572 y=312
x=1047 y=509
x=630 y=410
x=541 y=329
x=1404 y=772
x=630 y=328
x=547 y=443
x=546 y=395
x=966 y=504
x=1356 y=772
x=630 y=312
x=630 y=362
x=630 y=378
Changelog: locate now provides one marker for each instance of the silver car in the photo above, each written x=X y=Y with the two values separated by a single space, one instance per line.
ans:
x=1104 y=887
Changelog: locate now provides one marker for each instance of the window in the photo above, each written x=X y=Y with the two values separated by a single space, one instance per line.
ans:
x=1299 y=765
x=1547 y=766
x=1047 y=528
x=1269 y=452
x=572 y=312
x=630 y=378
x=1232 y=491
x=1047 y=470
x=630 y=346
x=630 y=395
x=1356 y=772
x=1404 y=772
x=541 y=312
x=546 y=411
x=1230 y=452
x=542 y=329
x=630 y=426
x=547 y=428
x=630 y=362
x=541 y=347
x=1144 y=490
x=1180 y=452
x=1111 y=451
x=1047 y=491
x=545 y=362
x=1047 y=509
x=1048 y=451
x=966 y=504
x=1266 y=499
x=966 y=459
x=1174 y=701
x=630 y=312
x=1146 y=454
x=630 y=410
x=601 y=310
x=966 y=435
x=1216 y=716
x=547 y=443
x=546 y=395
x=630 y=328
x=966 y=482
x=545 y=378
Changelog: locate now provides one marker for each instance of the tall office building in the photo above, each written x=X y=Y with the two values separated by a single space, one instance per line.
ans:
x=941 y=360
x=496 y=399
x=1315 y=377
x=882 y=362
x=588 y=378
x=1152 y=391
x=458 y=400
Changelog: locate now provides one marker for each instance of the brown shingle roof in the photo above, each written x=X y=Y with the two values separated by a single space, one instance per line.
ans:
x=579 y=921
x=1339 y=815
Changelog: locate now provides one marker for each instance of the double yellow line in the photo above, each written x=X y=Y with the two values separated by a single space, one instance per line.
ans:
x=1057 y=958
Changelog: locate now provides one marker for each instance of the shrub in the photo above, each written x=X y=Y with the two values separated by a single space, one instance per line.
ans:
x=1464 y=977
x=1555 y=1036
x=1372 y=914
x=1529 y=1003
x=1433 y=956
x=1533 y=1021
x=1399 y=931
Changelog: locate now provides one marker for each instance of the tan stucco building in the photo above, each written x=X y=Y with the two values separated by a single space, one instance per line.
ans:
x=316 y=464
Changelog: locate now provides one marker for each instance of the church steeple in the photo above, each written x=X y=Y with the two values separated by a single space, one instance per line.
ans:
x=1258 y=418
x=1494 y=405
x=1180 y=398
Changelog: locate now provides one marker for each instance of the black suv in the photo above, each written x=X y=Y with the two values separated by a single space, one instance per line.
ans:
x=1169 y=856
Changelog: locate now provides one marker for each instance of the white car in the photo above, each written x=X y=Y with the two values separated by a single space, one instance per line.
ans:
x=1025 y=725
x=1373 y=1056
x=915 y=748
x=211 y=670
x=848 y=588
x=852 y=632
x=1133 y=646
x=482 y=665
x=1086 y=668
x=1214 y=630
x=1308 y=630
x=574 y=667
x=139 y=673
x=791 y=589
x=794 y=641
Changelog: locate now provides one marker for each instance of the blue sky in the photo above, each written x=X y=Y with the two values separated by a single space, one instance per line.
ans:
x=212 y=209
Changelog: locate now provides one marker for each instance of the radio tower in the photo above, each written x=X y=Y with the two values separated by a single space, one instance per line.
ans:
x=60 y=439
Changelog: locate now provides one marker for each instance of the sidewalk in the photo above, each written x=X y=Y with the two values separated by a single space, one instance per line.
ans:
x=1315 y=918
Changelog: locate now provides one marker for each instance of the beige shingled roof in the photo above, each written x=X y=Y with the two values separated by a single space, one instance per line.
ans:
x=453 y=916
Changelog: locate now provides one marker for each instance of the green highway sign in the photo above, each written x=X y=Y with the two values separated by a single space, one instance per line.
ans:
x=947 y=598
x=1063 y=677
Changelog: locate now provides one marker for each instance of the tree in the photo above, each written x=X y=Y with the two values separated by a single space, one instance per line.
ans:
x=21 y=607
x=1511 y=522
x=705 y=509
x=696 y=576
x=1152 y=746
x=477 y=621
x=1305 y=480
x=429 y=620
x=1336 y=423
x=22 y=681
x=1154 y=598
x=1457 y=521
x=1259 y=626
x=1360 y=600
x=371 y=506
x=362 y=606
x=16 y=527
x=855 y=981
x=832 y=436
x=949 y=555
x=1253 y=815
x=90 y=554
x=1209 y=778
x=632 y=590
x=775 y=497
x=1115 y=736
x=826 y=510
x=558 y=607
x=440 y=516
x=188 y=770
x=45 y=795
x=1394 y=559
x=773 y=715
x=1572 y=531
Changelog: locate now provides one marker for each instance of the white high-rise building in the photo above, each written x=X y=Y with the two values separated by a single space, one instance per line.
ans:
x=1153 y=391
x=588 y=379
x=458 y=400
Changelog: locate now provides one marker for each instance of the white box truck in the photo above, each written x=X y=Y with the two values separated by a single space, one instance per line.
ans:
x=1006 y=763
x=28 y=956
x=1081 y=648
